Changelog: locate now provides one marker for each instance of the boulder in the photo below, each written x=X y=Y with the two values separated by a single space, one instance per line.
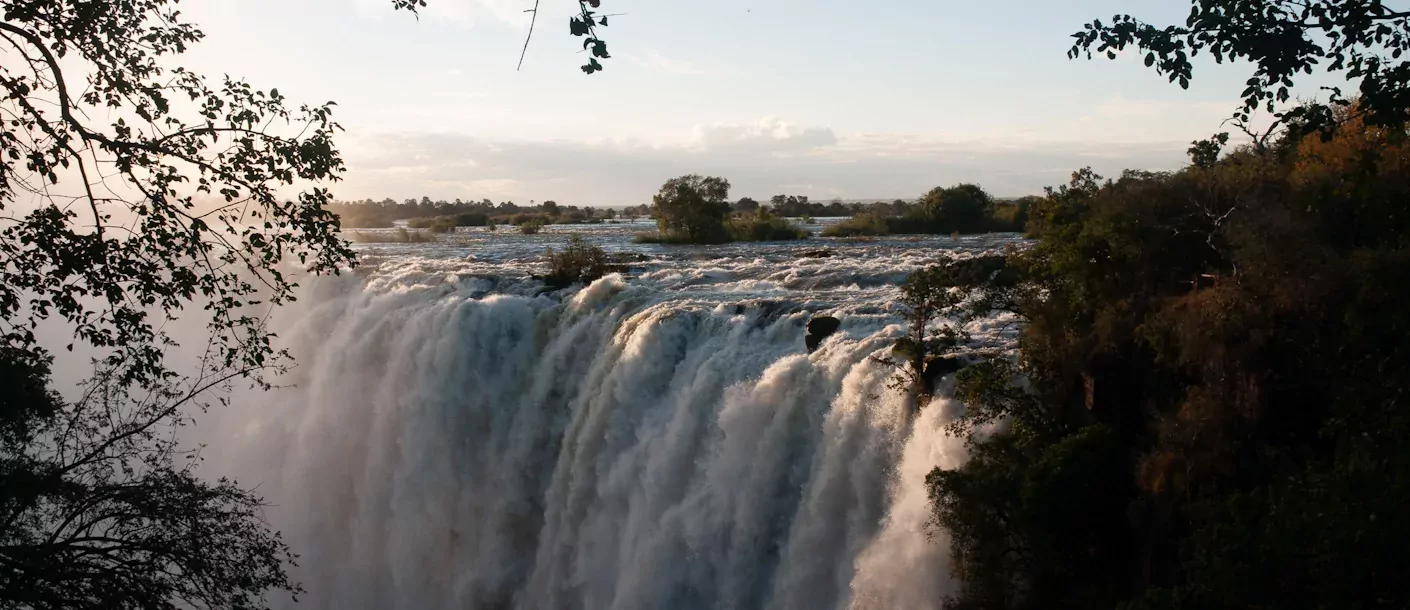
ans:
x=820 y=328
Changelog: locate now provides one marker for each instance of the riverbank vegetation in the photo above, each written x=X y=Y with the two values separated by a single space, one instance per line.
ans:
x=959 y=209
x=424 y=213
x=695 y=209
x=1214 y=360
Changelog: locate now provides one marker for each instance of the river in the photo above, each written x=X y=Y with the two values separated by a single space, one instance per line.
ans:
x=455 y=437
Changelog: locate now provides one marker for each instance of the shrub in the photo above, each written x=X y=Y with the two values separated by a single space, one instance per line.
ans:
x=861 y=225
x=526 y=218
x=447 y=224
x=578 y=262
x=763 y=226
x=531 y=227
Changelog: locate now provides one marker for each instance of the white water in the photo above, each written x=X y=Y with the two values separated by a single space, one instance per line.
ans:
x=454 y=440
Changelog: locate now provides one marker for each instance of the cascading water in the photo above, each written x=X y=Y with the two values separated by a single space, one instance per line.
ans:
x=452 y=439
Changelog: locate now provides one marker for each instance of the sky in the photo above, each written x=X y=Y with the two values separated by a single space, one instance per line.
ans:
x=883 y=99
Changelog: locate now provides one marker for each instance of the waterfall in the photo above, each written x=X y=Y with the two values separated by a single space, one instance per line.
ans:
x=456 y=441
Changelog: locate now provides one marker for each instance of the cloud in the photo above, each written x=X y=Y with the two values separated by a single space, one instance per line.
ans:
x=767 y=135
x=762 y=158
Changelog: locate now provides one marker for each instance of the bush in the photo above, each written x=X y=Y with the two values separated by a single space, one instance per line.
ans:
x=861 y=225
x=531 y=227
x=447 y=224
x=578 y=263
x=520 y=220
x=763 y=226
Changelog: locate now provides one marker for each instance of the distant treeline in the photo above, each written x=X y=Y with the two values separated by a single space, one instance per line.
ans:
x=868 y=218
x=963 y=208
x=368 y=214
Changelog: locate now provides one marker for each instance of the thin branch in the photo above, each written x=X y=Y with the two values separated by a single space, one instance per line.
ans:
x=532 y=21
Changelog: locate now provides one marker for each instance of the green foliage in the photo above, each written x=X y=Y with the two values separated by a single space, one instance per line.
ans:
x=965 y=208
x=692 y=208
x=1012 y=215
x=192 y=205
x=1212 y=366
x=531 y=226
x=1282 y=39
x=447 y=224
x=861 y=225
x=763 y=226
x=156 y=192
x=578 y=263
x=1203 y=153
x=930 y=295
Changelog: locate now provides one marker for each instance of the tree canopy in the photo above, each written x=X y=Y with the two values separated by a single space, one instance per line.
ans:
x=1284 y=39
x=1213 y=360
x=132 y=190
x=182 y=195
x=693 y=207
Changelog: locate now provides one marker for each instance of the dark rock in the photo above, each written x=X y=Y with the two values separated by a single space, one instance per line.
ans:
x=936 y=368
x=817 y=254
x=820 y=328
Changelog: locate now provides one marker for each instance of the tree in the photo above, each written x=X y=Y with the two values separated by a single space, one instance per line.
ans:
x=102 y=509
x=693 y=208
x=746 y=206
x=965 y=208
x=932 y=295
x=133 y=189
x=157 y=207
x=1179 y=420
x=1363 y=39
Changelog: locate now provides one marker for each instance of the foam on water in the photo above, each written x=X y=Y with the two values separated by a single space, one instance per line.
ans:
x=451 y=438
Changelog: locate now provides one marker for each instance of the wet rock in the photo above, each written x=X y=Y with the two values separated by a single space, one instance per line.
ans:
x=817 y=254
x=937 y=368
x=820 y=328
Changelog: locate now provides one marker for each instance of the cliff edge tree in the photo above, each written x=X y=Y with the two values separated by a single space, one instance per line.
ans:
x=132 y=189
x=693 y=209
x=1215 y=358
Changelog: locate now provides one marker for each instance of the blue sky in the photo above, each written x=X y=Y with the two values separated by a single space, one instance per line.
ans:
x=824 y=98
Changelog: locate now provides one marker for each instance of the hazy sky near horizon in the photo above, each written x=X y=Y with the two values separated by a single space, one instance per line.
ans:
x=824 y=98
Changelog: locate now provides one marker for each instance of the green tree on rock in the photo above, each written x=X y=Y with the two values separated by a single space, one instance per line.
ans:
x=965 y=208
x=693 y=208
